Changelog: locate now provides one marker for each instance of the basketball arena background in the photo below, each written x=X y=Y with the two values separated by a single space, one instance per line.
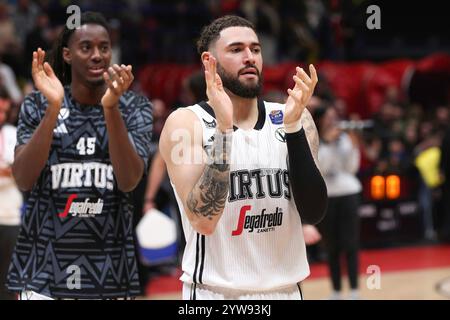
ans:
x=386 y=70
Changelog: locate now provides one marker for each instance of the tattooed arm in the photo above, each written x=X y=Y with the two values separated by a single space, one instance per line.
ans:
x=312 y=134
x=207 y=198
x=201 y=185
x=201 y=181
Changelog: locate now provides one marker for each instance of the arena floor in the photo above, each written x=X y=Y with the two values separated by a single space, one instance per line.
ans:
x=413 y=273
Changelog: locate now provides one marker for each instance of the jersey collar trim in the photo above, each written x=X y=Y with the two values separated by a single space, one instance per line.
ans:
x=261 y=113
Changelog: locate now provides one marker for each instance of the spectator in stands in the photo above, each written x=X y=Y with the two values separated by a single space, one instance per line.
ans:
x=9 y=44
x=41 y=36
x=191 y=87
x=9 y=83
x=383 y=122
x=427 y=155
x=8 y=38
x=370 y=154
x=268 y=23
x=397 y=158
x=445 y=169
x=411 y=135
x=10 y=196
x=24 y=16
x=442 y=118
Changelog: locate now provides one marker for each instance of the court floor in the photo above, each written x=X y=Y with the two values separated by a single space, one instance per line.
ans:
x=417 y=273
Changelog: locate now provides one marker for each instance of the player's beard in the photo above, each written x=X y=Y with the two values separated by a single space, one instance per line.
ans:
x=237 y=87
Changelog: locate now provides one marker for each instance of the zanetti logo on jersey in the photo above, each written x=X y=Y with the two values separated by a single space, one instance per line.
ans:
x=258 y=223
x=86 y=208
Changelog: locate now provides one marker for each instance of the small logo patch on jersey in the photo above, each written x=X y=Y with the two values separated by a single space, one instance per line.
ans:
x=276 y=116
x=208 y=146
x=210 y=125
x=60 y=129
x=280 y=135
x=63 y=115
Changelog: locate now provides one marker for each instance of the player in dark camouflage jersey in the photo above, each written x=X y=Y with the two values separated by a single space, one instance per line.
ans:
x=83 y=144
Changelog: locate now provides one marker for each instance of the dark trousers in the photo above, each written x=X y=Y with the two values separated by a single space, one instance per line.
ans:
x=340 y=232
x=8 y=236
x=445 y=219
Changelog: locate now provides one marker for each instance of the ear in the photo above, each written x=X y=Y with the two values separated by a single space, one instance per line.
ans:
x=67 y=56
x=205 y=56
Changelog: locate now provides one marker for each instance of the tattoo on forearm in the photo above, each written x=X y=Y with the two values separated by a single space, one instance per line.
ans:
x=209 y=195
x=311 y=134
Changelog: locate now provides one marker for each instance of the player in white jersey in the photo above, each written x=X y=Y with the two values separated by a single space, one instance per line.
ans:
x=244 y=174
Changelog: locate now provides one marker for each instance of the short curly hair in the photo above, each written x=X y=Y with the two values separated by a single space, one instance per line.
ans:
x=211 y=32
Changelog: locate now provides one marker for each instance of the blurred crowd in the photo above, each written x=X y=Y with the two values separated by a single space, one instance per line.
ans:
x=147 y=31
x=407 y=140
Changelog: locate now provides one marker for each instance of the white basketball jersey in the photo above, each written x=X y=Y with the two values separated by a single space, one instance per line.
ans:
x=258 y=243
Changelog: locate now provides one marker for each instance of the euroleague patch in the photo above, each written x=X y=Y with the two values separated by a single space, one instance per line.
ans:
x=276 y=116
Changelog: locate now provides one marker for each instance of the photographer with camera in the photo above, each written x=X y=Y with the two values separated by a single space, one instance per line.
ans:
x=339 y=160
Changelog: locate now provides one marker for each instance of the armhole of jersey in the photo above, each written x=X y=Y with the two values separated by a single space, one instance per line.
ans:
x=65 y=101
x=203 y=117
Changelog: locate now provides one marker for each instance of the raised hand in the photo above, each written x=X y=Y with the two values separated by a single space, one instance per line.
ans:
x=218 y=98
x=300 y=95
x=45 y=79
x=118 y=80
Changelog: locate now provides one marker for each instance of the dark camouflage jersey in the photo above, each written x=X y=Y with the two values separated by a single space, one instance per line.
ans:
x=76 y=238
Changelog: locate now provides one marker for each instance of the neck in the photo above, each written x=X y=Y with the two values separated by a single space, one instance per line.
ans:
x=87 y=94
x=245 y=111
